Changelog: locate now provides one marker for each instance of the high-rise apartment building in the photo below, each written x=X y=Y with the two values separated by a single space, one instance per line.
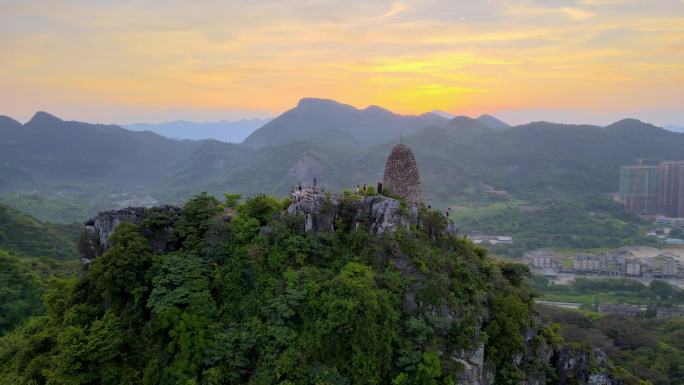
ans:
x=639 y=188
x=671 y=189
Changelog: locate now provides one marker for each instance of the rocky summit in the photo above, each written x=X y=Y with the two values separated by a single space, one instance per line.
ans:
x=378 y=213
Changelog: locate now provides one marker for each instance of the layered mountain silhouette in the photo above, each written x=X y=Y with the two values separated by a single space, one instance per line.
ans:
x=224 y=130
x=492 y=122
x=459 y=158
x=372 y=125
x=50 y=149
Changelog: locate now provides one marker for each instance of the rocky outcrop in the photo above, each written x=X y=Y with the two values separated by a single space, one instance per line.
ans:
x=581 y=367
x=562 y=366
x=323 y=212
x=97 y=231
x=474 y=369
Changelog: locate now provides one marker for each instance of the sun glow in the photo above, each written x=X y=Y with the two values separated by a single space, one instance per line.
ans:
x=408 y=56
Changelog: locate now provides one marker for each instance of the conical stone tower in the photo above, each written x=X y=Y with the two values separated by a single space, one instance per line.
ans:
x=401 y=174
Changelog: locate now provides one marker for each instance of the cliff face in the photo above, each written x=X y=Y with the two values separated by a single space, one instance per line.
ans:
x=378 y=213
x=95 y=239
x=320 y=211
x=581 y=367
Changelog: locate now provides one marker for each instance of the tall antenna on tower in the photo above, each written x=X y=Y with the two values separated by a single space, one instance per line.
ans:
x=401 y=138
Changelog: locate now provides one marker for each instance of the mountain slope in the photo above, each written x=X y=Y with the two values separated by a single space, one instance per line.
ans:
x=8 y=124
x=460 y=160
x=492 y=122
x=546 y=158
x=372 y=125
x=22 y=234
x=50 y=149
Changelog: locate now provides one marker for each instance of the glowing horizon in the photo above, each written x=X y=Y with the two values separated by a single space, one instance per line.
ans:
x=123 y=62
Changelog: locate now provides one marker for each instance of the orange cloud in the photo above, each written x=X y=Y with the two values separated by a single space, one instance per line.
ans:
x=399 y=54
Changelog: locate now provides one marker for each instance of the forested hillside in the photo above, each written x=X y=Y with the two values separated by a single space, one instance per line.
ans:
x=246 y=296
x=461 y=160
x=31 y=252
x=22 y=234
x=652 y=348
x=23 y=282
x=60 y=154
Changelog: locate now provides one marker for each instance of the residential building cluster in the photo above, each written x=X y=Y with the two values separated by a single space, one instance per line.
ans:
x=653 y=189
x=618 y=263
x=637 y=310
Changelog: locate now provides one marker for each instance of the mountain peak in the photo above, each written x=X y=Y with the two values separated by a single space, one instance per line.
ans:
x=630 y=123
x=442 y=114
x=318 y=102
x=43 y=117
x=372 y=125
x=462 y=119
x=492 y=122
x=6 y=121
x=374 y=108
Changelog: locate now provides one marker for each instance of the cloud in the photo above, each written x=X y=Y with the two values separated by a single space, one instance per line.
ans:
x=535 y=12
x=395 y=9
x=576 y=13
x=408 y=55
x=608 y=2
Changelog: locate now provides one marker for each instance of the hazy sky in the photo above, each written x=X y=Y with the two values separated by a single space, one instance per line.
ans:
x=126 y=61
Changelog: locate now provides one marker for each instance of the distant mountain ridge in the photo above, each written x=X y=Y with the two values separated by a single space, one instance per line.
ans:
x=492 y=122
x=460 y=159
x=370 y=126
x=47 y=148
x=225 y=130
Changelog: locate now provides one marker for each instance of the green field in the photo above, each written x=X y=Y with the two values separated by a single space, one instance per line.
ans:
x=590 y=292
x=593 y=224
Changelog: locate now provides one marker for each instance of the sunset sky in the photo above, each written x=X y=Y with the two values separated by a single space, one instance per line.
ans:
x=127 y=61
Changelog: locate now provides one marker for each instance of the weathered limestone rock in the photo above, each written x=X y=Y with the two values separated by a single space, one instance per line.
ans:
x=475 y=371
x=401 y=174
x=319 y=211
x=580 y=367
x=384 y=214
x=378 y=212
x=103 y=225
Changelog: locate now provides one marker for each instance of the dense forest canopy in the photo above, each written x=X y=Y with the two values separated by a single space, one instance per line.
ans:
x=651 y=348
x=256 y=300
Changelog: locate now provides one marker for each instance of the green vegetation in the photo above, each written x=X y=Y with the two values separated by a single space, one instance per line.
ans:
x=22 y=282
x=610 y=290
x=654 y=349
x=460 y=161
x=595 y=223
x=256 y=300
x=22 y=234
x=53 y=209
